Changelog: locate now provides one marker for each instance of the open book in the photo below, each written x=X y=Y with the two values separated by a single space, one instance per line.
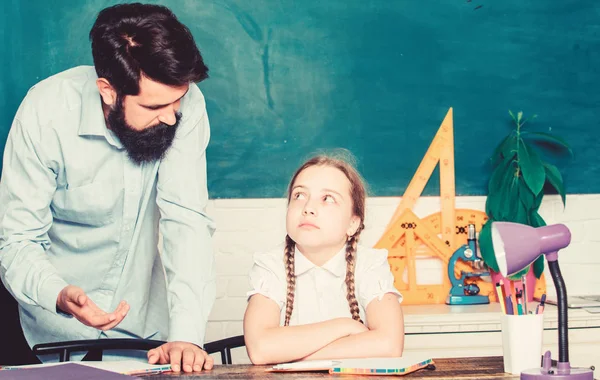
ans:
x=372 y=366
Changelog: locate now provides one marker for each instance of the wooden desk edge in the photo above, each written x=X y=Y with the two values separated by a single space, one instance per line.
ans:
x=485 y=368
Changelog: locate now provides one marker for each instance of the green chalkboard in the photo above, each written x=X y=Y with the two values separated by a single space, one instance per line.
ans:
x=376 y=77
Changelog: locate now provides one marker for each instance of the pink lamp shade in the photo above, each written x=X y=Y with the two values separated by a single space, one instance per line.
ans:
x=518 y=245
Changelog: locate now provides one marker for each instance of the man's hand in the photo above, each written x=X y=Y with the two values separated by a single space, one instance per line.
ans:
x=74 y=301
x=181 y=354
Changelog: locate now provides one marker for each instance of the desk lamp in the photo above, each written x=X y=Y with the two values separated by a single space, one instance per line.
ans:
x=515 y=247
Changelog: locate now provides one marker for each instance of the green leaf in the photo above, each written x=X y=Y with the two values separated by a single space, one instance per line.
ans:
x=538 y=201
x=494 y=199
x=521 y=214
x=500 y=147
x=546 y=137
x=490 y=201
x=526 y=120
x=517 y=276
x=520 y=116
x=505 y=150
x=536 y=219
x=513 y=116
x=525 y=195
x=498 y=175
x=496 y=204
x=508 y=196
x=532 y=168
x=555 y=179
x=538 y=266
x=486 y=247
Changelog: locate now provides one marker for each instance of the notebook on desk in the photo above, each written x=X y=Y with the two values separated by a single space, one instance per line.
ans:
x=371 y=366
x=124 y=367
x=64 y=371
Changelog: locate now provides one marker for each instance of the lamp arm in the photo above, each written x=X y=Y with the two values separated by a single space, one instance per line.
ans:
x=563 y=320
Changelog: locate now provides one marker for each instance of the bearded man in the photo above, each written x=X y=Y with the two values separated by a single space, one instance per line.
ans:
x=99 y=161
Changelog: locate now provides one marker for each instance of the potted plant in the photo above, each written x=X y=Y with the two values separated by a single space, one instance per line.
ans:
x=516 y=187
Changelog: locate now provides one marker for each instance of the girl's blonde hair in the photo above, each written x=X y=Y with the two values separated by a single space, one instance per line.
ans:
x=359 y=194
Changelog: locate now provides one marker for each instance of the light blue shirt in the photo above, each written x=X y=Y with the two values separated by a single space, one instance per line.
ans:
x=74 y=209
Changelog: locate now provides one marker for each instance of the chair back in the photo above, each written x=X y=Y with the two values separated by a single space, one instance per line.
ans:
x=95 y=347
x=18 y=351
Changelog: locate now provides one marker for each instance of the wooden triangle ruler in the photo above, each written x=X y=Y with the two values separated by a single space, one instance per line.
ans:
x=409 y=238
x=440 y=150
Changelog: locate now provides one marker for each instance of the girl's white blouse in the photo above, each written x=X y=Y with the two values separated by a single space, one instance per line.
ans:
x=321 y=291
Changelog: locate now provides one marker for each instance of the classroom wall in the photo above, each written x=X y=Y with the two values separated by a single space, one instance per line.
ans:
x=245 y=226
x=374 y=76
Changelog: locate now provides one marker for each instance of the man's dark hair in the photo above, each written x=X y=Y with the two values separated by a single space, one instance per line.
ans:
x=129 y=40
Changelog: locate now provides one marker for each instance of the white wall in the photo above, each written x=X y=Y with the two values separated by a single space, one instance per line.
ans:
x=245 y=226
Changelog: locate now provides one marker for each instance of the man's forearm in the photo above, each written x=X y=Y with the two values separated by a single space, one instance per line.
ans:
x=29 y=276
x=187 y=321
x=191 y=277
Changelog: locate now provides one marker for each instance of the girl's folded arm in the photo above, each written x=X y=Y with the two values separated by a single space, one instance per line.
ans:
x=267 y=342
x=384 y=338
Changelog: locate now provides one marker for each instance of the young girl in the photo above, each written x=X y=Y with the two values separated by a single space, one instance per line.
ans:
x=323 y=296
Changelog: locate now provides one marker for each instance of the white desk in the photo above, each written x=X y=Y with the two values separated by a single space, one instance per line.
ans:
x=463 y=331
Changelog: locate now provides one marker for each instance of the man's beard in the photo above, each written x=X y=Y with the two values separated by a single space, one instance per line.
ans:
x=150 y=144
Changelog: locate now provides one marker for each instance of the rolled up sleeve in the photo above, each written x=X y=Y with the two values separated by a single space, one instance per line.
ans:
x=186 y=229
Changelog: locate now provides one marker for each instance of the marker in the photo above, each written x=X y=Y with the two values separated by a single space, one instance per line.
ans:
x=513 y=289
x=520 y=302
x=509 y=306
x=540 y=308
x=524 y=280
x=499 y=290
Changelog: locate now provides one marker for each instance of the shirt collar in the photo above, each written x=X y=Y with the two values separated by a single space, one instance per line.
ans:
x=92 y=116
x=336 y=265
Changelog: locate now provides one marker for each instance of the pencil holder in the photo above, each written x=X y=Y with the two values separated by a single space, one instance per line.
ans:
x=522 y=337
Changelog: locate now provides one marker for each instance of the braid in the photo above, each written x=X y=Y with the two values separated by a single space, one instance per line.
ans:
x=290 y=272
x=351 y=246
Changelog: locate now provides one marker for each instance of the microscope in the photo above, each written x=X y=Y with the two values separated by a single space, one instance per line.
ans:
x=462 y=291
